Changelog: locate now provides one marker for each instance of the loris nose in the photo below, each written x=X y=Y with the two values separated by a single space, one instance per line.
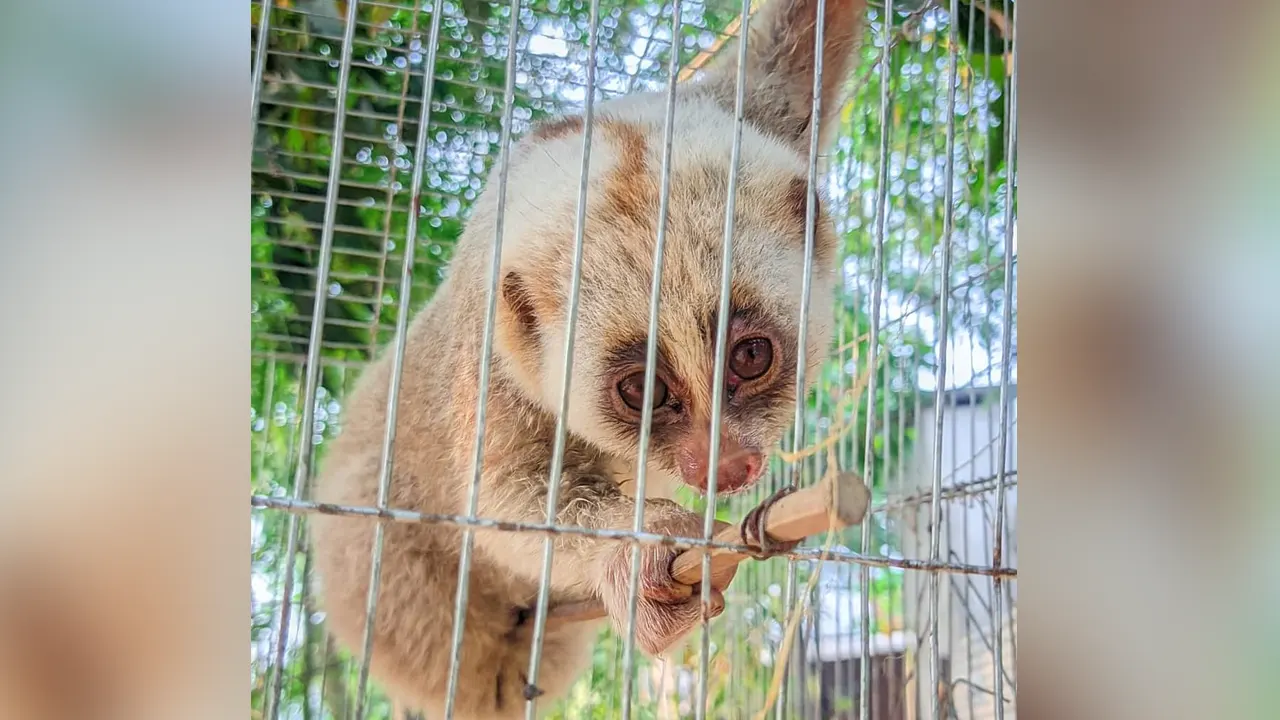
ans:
x=739 y=467
x=739 y=471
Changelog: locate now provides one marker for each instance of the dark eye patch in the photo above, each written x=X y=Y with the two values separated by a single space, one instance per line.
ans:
x=633 y=353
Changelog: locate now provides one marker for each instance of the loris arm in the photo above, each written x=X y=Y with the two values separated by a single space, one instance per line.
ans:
x=587 y=501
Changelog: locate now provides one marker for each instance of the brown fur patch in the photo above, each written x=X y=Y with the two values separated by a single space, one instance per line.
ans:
x=515 y=293
x=558 y=128
x=797 y=197
x=630 y=191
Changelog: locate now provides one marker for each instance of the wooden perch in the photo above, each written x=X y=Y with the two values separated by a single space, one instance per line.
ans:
x=839 y=501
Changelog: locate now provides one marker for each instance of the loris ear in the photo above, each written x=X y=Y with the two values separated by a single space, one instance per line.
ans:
x=780 y=65
x=519 y=327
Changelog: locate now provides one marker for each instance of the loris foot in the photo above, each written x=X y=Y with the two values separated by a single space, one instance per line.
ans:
x=666 y=609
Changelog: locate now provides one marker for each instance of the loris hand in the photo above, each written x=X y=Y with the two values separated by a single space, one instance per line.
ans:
x=666 y=609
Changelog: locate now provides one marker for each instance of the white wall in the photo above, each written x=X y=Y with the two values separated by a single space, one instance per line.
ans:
x=970 y=445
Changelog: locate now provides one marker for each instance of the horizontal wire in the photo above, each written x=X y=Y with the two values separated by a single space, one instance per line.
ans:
x=349 y=252
x=274 y=193
x=389 y=282
x=299 y=359
x=489 y=25
x=972 y=488
x=387 y=117
x=393 y=143
x=320 y=131
x=327 y=345
x=341 y=322
x=302 y=507
x=303 y=294
x=564 y=80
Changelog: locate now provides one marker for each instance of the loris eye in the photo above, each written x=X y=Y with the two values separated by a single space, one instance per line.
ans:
x=631 y=390
x=751 y=358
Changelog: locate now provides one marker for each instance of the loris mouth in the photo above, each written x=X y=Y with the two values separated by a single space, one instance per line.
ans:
x=725 y=489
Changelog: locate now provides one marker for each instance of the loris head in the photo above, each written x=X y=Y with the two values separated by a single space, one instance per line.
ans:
x=763 y=348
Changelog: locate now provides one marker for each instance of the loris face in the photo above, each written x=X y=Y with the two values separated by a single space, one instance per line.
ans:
x=758 y=393
x=763 y=351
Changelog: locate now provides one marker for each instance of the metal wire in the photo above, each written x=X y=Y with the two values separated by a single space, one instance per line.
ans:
x=873 y=352
x=259 y=61
x=486 y=350
x=965 y=593
x=848 y=455
x=650 y=367
x=302 y=507
x=312 y=382
x=939 y=405
x=397 y=362
x=806 y=282
x=554 y=480
x=722 y=341
x=1006 y=351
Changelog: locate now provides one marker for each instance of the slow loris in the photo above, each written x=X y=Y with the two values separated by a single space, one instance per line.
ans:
x=437 y=406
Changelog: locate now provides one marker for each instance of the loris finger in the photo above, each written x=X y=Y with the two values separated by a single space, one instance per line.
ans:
x=659 y=625
x=656 y=582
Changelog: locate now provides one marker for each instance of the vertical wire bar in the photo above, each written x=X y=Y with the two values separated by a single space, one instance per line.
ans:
x=259 y=62
x=1006 y=341
x=917 y=402
x=922 y=262
x=847 y=437
x=840 y=688
x=811 y=700
x=397 y=355
x=347 y=381
x=822 y=433
x=554 y=480
x=767 y=581
x=304 y=625
x=1011 y=125
x=911 y=694
x=967 y=504
x=873 y=354
x=786 y=474
x=806 y=282
x=907 y=374
x=651 y=360
x=722 y=340
x=486 y=350
x=314 y=343
x=886 y=659
x=899 y=689
x=961 y=590
x=268 y=398
x=967 y=591
x=939 y=402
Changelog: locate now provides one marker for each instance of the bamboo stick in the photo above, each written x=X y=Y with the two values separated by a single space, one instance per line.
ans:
x=839 y=501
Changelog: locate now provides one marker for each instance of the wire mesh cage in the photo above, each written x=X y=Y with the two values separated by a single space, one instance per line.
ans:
x=377 y=124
